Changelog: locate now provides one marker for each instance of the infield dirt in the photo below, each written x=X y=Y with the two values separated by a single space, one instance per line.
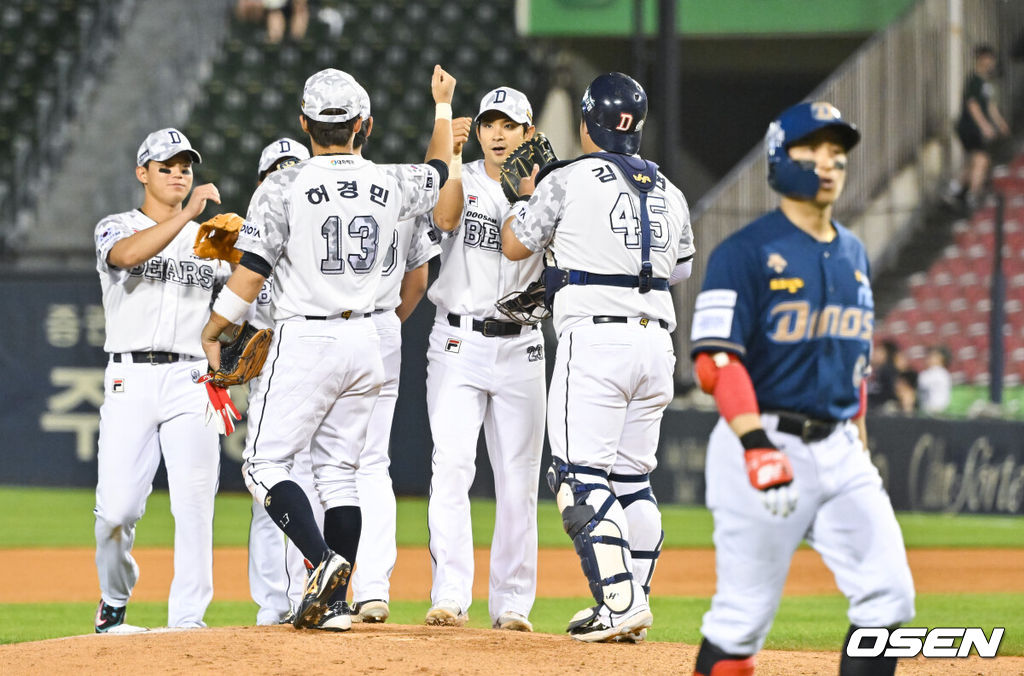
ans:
x=424 y=650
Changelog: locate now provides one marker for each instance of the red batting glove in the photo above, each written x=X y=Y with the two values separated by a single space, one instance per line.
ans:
x=770 y=472
x=220 y=408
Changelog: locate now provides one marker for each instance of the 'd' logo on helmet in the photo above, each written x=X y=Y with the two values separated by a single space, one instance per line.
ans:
x=625 y=122
x=824 y=111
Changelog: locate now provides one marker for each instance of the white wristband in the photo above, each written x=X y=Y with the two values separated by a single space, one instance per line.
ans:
x=442 y=111
x=455 y=167
x=230 y=305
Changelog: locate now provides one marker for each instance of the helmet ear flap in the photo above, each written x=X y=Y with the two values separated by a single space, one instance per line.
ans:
x=793 y=178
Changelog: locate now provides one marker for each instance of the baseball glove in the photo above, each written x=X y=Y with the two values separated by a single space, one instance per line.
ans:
x=217 y=236
x=242 y=359
x=527 y=307
x=519 y=164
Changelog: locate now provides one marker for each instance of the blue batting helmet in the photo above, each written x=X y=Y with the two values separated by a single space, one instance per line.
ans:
x=787 y=176
x=614 y=109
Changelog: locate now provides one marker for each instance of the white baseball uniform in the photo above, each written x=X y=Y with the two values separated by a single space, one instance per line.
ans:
x=613 y=369
x=475 y=377
x=319 y=224
x=153 y=407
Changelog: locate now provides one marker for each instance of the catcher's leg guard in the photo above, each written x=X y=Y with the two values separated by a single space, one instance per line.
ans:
x=591 y=516
x=633 y=491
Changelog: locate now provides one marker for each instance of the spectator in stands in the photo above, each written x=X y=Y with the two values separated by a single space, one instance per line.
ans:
x=277 y=13
x=905 y=387
x=882 y=384
x=935 y=384
x=979 y=126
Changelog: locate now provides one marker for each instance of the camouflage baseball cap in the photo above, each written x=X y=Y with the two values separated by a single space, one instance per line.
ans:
x=332 y=89
x=279 y=149
x=163 y=145
x=511 y=102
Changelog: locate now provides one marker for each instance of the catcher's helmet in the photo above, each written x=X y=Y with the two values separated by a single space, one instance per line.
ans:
x=786 y=175
x=614 y=109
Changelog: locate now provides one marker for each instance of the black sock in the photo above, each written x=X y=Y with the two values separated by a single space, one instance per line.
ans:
x=342 y=526
x=288 y=506
x=864 y=666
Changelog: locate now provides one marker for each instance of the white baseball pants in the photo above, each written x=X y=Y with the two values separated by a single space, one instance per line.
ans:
x=154 y=410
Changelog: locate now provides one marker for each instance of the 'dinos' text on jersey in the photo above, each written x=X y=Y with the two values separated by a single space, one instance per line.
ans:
x=794 y=321
x=185 y=273
x=482 y=231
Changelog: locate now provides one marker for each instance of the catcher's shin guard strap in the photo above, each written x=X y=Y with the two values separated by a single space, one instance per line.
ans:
x=596 y=538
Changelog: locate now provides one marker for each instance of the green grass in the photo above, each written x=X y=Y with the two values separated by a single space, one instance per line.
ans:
x=45 y=517
x=803 y=623
x=35 y=517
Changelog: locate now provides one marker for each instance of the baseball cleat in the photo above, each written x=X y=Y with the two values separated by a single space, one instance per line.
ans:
x=513 y=621
x=110 y=620
x=337 y=618
x=599 y=624
x=321 y=582
x=446 y=614
x=635 y=637
x=373 y=610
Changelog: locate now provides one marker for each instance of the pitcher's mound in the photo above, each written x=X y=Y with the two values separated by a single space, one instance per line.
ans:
x=400 y=649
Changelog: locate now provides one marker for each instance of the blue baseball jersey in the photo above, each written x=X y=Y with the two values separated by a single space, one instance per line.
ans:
x=797 y=311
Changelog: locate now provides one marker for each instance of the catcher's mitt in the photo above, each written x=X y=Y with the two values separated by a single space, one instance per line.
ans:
x=242 y=359
x=217 y=236
x=526 y=307
x=519 y=164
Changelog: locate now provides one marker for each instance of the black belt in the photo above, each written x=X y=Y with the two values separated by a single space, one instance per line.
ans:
x=643 y=321
x=489 y=327
x=347 y=314
x=150 y=357
x=807 y=428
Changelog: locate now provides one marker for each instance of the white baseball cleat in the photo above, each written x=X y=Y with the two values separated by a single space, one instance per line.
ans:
x=374 y=610
x=598 y=624
x=447 y=613
x=513 y=621
x=330 y=574
x=337 y=618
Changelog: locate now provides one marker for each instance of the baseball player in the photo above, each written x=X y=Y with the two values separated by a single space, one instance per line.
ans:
x=403 y=283
x=620 y=234
x=483 y=371
x=318 y=227
x=156 y=296
x=277 y=570
x=781 y=338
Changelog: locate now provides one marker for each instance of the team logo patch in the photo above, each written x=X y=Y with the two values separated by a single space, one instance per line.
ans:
x=823 y=111
x=777 y=263
x=195 y=375
x=791 y=284
x=118 y=385
x=535 y=353
x=453 y=345
x=266 y=501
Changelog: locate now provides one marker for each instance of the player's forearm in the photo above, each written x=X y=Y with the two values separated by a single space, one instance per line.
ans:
x=440 y=147
x=143 y=245
x=513 y=249
x=448 y=211
x=414 y=285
